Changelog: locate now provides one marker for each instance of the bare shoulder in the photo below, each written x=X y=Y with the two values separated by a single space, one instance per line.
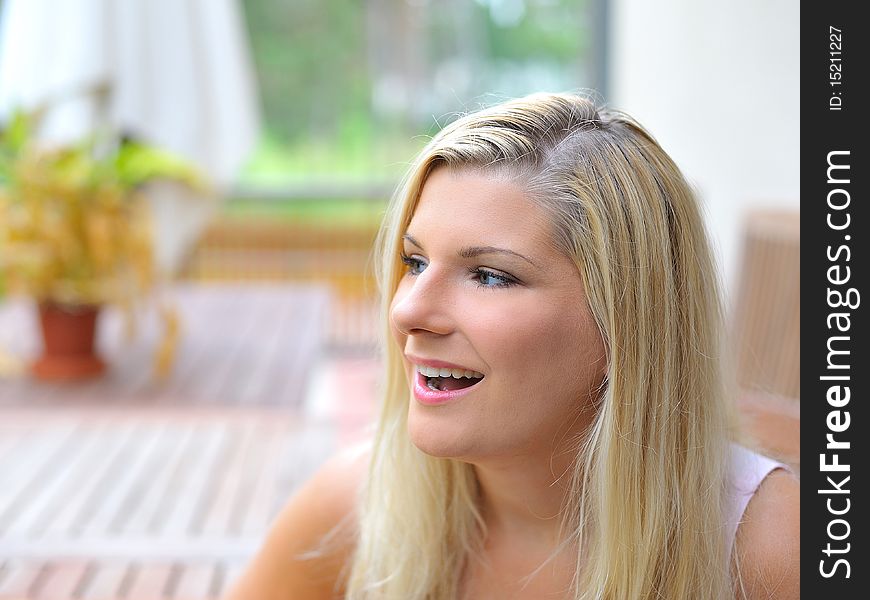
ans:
x=768 y=540
x=311 y=540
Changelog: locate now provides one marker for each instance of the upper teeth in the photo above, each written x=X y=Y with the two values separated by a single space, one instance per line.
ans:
x=456 y=373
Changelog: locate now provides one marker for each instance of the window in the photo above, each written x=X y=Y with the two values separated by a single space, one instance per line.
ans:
x=351 y=90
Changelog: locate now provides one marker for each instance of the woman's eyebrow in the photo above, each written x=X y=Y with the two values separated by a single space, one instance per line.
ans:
x=411 y=239
x=473 y=251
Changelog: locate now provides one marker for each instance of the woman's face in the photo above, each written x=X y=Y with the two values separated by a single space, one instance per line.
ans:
x=484 y=291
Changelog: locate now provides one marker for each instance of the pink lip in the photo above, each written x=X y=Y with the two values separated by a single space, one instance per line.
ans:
x=425 y=395
x=437 y=364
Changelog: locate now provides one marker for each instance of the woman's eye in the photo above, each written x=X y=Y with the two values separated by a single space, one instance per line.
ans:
x=415 y=265
x=484 y=277
x=491 y=279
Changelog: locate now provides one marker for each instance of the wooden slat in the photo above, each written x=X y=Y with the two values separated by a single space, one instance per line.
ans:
x=197 y=487
x=160 y=488
x=229 y=574
x=105 y=581
x=225 y=576
x=99 y=519
x=180 y=484
x=84 y=488
x=195 y=581
x=135 y=549
x=149 y=582
x=299 y=461
x=19 y=578
x=216 y=518
x=36 y=460
x=220 y=358
x=265 y=373
x=150 y=468
x=38 y=490
x=60 y=581
x=252 y=510
x=51 y=495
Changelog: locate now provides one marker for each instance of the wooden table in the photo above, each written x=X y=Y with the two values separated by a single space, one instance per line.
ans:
x=240 y=345
x=133 y=488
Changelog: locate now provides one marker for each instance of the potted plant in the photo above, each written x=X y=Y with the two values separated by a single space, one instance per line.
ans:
x=75 y=234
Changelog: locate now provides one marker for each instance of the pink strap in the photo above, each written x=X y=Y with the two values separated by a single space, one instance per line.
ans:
x=748 y=470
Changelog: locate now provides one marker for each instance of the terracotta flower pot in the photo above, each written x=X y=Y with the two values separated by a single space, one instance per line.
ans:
x=68 y=334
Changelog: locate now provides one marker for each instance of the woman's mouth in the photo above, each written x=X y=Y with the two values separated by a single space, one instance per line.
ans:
x=435 y=385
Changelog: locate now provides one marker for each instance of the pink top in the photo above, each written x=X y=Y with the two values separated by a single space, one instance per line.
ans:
x=748 y=470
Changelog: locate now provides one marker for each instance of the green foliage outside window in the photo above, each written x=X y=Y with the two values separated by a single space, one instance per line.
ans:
x=350 y=90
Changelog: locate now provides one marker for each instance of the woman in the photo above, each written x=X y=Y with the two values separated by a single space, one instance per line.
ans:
x=554 y=421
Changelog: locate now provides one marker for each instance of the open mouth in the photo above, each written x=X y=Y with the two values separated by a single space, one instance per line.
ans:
x=444 y=380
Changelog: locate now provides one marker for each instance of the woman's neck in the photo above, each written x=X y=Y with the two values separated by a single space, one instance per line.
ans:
x=522 y=497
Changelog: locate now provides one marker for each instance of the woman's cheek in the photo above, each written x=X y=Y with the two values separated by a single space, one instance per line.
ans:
x=508 y=335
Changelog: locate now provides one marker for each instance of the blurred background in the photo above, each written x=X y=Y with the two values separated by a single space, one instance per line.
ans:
x=248 y=354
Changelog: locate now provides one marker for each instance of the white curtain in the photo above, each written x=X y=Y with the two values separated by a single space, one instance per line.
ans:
x=174 y=73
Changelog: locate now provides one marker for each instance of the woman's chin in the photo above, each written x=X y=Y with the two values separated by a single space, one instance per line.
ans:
x=441 y=440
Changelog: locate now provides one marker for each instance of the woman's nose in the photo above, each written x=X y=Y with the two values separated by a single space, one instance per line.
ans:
x=421 y=304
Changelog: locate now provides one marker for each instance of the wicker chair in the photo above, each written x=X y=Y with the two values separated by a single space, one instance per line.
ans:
x=767 y=333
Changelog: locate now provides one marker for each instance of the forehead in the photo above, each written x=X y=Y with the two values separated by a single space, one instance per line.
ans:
x=487 y=208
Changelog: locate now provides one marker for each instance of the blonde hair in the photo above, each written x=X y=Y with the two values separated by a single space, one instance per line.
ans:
x=646 y=502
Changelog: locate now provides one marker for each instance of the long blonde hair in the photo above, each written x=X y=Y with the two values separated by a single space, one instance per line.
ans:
x=646 y=502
